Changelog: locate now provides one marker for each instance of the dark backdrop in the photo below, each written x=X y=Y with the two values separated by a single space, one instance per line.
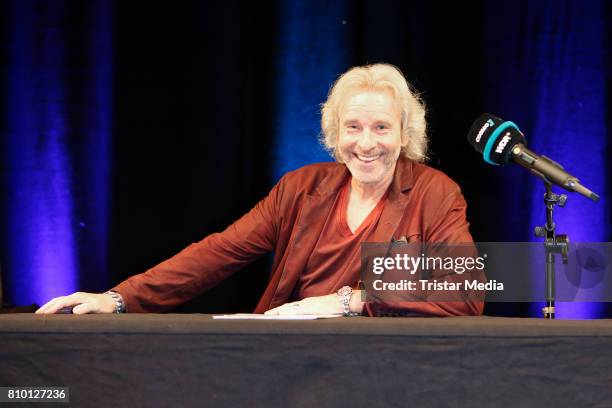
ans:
x=132 y=129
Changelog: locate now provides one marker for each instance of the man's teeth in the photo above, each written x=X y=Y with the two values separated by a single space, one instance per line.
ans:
x=367 y=158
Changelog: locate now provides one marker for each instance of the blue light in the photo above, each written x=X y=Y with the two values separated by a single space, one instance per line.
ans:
x=41 y=244
x=313 y=51
x=57 y=151
x=570 y=126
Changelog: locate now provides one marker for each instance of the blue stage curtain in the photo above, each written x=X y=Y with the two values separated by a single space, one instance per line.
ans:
x=547 y=71
x=164 y=96
x=314 y=47
x=58 y=123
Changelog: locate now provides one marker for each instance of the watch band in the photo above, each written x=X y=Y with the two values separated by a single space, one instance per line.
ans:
x=119 y=304
x=344 y=294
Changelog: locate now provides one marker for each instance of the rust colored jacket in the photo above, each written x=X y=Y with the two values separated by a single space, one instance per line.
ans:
x=423 y=205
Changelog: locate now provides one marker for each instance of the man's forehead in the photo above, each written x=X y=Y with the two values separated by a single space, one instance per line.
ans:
x=378 y=104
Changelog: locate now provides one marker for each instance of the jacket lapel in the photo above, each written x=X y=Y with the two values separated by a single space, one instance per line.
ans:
x=315 y=211
x=397 y=200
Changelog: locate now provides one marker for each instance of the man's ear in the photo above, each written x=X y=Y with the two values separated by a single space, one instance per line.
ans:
x=333 y=143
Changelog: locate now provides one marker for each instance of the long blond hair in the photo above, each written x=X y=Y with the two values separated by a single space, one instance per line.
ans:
x=377 y=77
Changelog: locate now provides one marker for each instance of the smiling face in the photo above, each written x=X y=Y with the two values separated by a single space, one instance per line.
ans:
x=369 y=136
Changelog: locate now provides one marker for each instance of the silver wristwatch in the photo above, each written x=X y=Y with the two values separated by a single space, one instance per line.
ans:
x=344 y=294
x=119 y=304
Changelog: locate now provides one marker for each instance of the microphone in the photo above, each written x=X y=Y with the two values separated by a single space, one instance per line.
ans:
x=501 y=141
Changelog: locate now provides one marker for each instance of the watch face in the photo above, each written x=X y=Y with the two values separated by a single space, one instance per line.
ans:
x=345 y=291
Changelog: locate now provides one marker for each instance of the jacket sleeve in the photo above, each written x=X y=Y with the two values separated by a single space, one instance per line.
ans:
x=443 y=223
x=204 y=264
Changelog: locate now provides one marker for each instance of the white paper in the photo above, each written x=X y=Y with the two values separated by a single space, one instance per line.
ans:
x=247 y=316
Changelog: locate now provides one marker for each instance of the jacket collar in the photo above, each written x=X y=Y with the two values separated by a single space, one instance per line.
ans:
x=403 y=179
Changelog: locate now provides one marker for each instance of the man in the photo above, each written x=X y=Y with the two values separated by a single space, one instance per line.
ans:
x=316 y=217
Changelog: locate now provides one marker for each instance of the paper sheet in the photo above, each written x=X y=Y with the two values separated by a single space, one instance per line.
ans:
x=247 y=316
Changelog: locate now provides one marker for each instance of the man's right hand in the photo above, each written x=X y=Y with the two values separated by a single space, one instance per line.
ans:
x=81 y=302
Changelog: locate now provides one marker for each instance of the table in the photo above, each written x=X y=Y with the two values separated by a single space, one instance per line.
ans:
x=192 y=360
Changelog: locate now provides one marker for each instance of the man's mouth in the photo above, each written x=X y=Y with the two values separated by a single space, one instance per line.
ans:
x=366 y=159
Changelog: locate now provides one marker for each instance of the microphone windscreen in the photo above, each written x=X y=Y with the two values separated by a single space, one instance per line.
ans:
x=495 y=138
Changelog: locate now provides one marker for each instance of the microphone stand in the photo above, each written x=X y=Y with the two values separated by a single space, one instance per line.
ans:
x=553 y=243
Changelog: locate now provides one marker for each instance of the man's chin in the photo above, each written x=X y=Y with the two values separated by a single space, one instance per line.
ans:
x=367 y=179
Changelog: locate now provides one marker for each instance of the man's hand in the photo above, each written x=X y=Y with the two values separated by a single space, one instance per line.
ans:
x=83 y=303
x=318 y=305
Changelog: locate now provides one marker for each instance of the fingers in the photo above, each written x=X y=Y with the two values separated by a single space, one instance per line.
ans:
x=272 y=312
x=81 y=302
x=283 y=309
x=293 y=308
x=84 y=308
x=318 y=305
x=287 y=308
x=57 y=303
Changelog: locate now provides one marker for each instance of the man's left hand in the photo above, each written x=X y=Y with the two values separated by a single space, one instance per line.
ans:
x=316 y=305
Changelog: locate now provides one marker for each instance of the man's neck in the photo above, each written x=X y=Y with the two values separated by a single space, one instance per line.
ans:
x=369 y=192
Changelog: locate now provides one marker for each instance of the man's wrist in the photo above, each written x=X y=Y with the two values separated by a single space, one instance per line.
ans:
x=356 y=304
x=345 y=295
x=119 y=302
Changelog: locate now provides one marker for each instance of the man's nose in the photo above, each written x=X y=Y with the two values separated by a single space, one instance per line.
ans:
x=366 y=141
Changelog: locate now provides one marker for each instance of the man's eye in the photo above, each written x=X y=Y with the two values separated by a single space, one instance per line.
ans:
x=381 y=127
